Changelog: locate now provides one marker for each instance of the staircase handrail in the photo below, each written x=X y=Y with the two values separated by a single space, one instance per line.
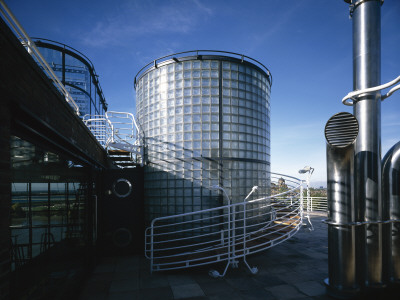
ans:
x=103 y=133
x=135 y=132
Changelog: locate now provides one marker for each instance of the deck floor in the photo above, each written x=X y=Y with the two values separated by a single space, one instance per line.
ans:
x=294 y=269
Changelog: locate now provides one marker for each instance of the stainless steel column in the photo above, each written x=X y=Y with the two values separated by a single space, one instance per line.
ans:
x=341 y=131
x=367 y=164
x=391 y=211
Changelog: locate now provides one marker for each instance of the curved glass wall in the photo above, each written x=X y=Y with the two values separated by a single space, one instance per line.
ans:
x=206 y=123
x=77 y=74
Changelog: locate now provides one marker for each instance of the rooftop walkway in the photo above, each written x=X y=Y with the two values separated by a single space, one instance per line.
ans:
x=294 y=269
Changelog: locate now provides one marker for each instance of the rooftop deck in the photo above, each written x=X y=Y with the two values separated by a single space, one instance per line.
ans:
x=294 y=269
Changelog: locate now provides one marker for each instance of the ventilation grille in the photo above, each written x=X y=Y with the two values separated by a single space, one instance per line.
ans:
x=341 y=130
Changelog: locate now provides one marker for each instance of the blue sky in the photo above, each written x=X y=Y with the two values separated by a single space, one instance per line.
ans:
x=306 y=44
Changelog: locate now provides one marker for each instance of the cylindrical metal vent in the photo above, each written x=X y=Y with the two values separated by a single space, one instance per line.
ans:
x=341 y=132
x=391 y=211
x=366 y=17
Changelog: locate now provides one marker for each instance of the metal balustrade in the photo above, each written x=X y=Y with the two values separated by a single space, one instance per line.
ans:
x=101 y=128
x=319 y=204
x=125 y=132
x=119 y=134
x=226 y=233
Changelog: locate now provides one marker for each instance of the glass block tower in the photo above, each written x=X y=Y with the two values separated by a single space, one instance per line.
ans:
x=206 y=122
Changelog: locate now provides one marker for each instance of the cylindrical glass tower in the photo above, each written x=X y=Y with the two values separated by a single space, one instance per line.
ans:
x=206 y=122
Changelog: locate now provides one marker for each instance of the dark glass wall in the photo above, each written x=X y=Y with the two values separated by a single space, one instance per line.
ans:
x=53 y=203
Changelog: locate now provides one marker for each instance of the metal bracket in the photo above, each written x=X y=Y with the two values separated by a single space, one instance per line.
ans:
x=330 y=222
x=353 y=6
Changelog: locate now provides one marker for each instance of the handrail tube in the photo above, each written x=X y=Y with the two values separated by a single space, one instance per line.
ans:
x=202 y=211
x=253 y=225
x=250 y=238
x=208 y=249
x=190 y=221
x=185 y=238
x=187 y=246
x=271 y=244
x=166 y=241
x=171 y=56
x=272 y=232
x=12 y=20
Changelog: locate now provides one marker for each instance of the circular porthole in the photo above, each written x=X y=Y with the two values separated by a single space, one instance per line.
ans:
x=122 y=188
x=122 y=237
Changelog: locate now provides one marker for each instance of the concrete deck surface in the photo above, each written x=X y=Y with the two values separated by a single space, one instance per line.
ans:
x=294 y=269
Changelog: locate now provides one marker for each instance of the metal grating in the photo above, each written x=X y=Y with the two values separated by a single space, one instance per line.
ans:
x=341 y=130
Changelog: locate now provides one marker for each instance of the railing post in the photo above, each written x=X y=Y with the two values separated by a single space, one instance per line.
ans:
x=29 y=47
x=112 y=133
x=151 y=248
x=244 y=229
x=301 y=203
x=229 y=231
x=308 y=192
x=234 y=232
x=253 y=270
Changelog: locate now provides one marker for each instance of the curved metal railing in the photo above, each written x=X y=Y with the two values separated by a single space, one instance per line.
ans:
x=226 y=233
x=199 y=53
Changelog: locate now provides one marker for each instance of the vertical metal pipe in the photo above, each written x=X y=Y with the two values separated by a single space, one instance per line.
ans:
x=341 y=132
x=391 y=211
x=367 y=164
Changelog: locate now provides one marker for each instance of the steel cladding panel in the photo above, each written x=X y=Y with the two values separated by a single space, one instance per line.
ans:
x=206 y=123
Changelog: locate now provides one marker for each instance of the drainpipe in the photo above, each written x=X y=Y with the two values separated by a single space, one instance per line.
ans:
x=366 y=15
x=391 y=210
x=341 y=132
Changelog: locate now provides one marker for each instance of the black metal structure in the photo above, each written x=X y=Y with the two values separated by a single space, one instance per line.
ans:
x=50 y=167
x=121 y=212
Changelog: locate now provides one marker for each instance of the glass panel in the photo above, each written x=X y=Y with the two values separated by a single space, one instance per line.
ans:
x=44 y=201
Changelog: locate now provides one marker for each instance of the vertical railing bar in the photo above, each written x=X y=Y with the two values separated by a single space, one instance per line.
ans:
x=151 y=248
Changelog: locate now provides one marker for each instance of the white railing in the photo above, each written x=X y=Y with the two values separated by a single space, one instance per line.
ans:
x=33 y=50
x=126 y=134
x=116 y=130
x=225 y=233
x=101 y=128
x=319 y=204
